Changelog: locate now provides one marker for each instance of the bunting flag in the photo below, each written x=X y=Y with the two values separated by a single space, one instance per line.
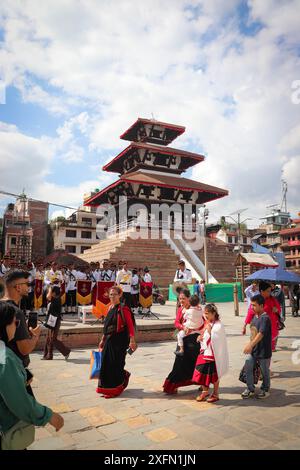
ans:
x=38 y=293
x=102 y=302
x=146 y=294
x=63 y=293
x=94 y=294
x=84 y=292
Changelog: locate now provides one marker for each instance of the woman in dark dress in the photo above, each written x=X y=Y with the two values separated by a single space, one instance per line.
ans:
x=118 y=335
x=184 y=366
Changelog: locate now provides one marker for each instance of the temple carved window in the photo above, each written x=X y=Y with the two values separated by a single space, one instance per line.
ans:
x=146 y=191
x=183 y=195
x=166 y=194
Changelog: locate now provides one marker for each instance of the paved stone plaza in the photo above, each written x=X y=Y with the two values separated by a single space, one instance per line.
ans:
x=145 y=418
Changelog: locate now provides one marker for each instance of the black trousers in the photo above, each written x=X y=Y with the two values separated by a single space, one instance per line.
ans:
x=127 y=299
x=52 y=342
x=71 y=298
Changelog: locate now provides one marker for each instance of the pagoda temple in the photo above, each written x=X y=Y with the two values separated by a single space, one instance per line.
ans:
x=150 y=171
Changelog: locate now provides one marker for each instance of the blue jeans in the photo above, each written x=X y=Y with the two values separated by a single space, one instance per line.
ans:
x=265 y=370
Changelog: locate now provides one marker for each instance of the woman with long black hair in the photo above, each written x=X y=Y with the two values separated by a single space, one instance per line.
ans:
x=118 y=336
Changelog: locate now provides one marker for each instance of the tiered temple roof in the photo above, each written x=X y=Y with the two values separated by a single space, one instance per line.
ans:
x=150 y=171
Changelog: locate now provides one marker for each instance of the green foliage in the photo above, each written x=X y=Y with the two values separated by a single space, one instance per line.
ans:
x=58 y=219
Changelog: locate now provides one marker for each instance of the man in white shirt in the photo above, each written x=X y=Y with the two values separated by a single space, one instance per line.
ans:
x=183 y=274
x=250 y=291
x=71 y=288
x=123 y=280
x=106 y=272
x=30 y=298
x=4 y=267
x=113 y=268
x=53 y=276
x=81 y=274
x=135 y=290
x=147 y=276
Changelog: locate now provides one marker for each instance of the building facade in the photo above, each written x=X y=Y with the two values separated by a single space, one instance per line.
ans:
x=38 y=215
x=290 y=245
x=17 y=232
x=77 y=233
x=234 y=240
x=275 y=221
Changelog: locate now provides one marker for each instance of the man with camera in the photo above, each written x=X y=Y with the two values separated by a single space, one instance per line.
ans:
x=25 y=341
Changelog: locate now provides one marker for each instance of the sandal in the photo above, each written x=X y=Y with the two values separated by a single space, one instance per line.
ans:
x=202 y=396
x=213 y=398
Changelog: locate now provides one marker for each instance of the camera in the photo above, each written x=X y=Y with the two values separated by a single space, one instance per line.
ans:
x=32 y=320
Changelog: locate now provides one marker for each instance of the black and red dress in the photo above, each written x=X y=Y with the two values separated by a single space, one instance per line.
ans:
x=184 y=366
x=118 y=327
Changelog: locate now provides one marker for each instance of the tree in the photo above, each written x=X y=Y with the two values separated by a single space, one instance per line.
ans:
x=58 y=219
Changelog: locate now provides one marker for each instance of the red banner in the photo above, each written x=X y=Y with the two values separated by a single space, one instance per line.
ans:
x=38 y=293
x=146 y=294
x=294 y=242
x=102 y=303
x=63 y=293
x=84 y=292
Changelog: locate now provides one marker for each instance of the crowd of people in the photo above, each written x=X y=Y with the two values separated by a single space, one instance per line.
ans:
x=202 y=357
x=66 y=277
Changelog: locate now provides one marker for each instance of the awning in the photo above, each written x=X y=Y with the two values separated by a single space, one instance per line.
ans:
x=256 y=259
x=256 y=237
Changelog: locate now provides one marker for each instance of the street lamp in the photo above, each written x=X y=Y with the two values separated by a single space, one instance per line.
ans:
x=238 y=222
x=204 y=214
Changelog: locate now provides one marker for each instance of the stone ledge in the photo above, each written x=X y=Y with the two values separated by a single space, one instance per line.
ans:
x=89 y=335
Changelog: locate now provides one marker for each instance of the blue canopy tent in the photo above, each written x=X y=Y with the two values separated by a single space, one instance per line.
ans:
x=274 y=275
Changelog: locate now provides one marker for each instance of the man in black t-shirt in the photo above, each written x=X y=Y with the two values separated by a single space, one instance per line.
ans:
x=259 y=348
x=24 y=342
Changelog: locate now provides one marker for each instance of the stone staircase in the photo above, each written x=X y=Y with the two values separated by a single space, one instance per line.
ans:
x=220 y=260
x=160 y=257
x=156 y=254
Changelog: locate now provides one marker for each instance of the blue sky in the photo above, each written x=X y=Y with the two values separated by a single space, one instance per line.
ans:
x=77 y=76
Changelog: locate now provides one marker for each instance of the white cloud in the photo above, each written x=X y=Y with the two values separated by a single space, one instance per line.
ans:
x=115 y=61
x=25 y=162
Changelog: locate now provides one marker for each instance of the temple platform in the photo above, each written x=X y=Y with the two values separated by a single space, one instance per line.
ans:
x=75 y=334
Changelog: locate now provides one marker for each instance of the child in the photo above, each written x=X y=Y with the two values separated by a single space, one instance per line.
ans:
x=53 y=320
x=193 y=321
x=212 y=362
x=259 y=347
x=202 y=291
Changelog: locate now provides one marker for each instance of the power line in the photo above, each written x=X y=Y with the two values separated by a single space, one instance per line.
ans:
x=5 y=193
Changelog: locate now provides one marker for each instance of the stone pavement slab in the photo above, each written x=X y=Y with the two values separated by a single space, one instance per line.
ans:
x=145 y=418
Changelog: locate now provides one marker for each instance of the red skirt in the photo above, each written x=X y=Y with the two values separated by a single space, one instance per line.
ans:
x=115 y=391
x=205 y=372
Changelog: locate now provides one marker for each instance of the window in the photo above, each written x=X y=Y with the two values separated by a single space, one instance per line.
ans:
x=87 y=220
x=71 y=233
x=245 y=240
x=85 y=234
x=82 y=248
x=13 y=241
x=71 y=248
x=229 y=239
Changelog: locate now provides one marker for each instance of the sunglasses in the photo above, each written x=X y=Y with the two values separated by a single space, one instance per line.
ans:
x=23 y=284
